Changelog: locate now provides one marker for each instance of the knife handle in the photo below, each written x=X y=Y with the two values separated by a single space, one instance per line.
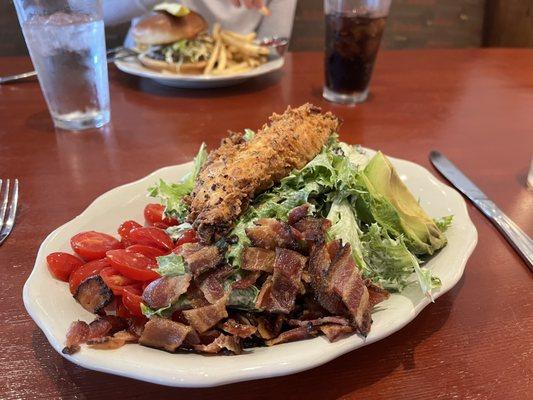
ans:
x=514 y=235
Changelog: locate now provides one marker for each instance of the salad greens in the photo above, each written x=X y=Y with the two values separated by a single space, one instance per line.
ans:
x=364 y=198
x=171 y=195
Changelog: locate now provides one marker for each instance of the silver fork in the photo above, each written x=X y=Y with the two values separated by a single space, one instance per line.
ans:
x=6 y=225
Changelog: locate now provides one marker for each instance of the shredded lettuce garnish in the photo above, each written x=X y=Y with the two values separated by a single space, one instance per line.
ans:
x=171 y=195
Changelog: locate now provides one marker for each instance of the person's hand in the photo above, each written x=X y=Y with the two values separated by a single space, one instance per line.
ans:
x=249 y=3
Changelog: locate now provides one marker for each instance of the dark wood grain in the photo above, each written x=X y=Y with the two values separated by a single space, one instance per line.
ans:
x=475 y=106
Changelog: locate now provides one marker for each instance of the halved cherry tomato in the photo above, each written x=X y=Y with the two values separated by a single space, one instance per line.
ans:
x=155 y=214
x=160 y=225
x=114 y=280
x=61 y=265
x=131 y=299
x=133 y=265
x=189 y=236
x=148 y=251
x=121 y=310
x=151 y=236
x=125 y=228
x=85 y=271
x=93 y=245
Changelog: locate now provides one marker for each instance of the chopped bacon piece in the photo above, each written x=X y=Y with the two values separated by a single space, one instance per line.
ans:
x=258 y=259
x=269 y=329
x=376 y=293
x=345 y=280
x=80 y=332
x=335 y=332
x=292 y=335
x=298 y=213
x=200 y=258
x=319 y=321
x=195 y=296
x=230 y=343
x=270 y=233
x=280 y=294
x=165 y=290
x=247 y=280
x=164 y=333
x=313 y=230
x=211 y=283
x=319 y=262
x=117 y=323
x=204 y=318
x=93 y=294
x=241 y=330
x=136 y=325
x=119 y=339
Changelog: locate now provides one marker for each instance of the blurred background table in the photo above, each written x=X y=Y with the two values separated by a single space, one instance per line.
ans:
x=473 y=105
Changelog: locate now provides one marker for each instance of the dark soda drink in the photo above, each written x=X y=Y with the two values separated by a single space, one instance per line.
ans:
x=352 y=43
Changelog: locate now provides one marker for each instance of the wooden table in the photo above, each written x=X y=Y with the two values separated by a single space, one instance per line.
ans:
x=476 y=106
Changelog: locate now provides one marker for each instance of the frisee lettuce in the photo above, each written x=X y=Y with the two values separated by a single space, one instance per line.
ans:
x=171 y=195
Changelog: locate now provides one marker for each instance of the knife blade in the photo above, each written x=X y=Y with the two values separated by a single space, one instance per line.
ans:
x=520 y=241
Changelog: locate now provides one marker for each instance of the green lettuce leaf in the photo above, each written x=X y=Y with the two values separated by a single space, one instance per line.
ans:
x=171 y=265
x=444 y=223
x=391 y=264
x=171 y=195
x=344 y=226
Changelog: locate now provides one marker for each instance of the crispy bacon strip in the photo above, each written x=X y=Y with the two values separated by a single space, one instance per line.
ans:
x=280 y=294
x=204 y=318
x=165 y=290
x=319 y=321
x=80 y=332
x=211 y=283
x=376 y=294
x=230 y=343
x=258 y=259
x=298 y=213
x=93 y=294
x=164 y=334
x=292 y=335
x=200 y=258
x=119 y=339
x=313 y=230
x=335 y=332
x=345 y=280
x=237 y=329
x=269 y=233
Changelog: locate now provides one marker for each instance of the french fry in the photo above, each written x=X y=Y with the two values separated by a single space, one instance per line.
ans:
x=248 y=49
x=213 y=58
x=222 y=58
x=216 y=30
x=245 y=38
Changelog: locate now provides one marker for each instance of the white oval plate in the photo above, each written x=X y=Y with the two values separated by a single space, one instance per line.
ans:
x=134 y=67
x=50 y=304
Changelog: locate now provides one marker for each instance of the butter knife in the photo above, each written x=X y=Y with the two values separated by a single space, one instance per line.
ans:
x=520 y=241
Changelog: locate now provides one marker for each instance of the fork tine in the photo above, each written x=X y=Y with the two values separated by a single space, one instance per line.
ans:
x=3 y=207
x=6 y=230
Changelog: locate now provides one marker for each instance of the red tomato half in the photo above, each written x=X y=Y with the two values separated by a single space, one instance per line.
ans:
x=148 y=251
x=151 y=236
x=131 y=299
x=114 y=280
x=85 y=271
x=125 y=228
x=133 y=265
x=93 y=245
x=155 y=214
x=61 y=265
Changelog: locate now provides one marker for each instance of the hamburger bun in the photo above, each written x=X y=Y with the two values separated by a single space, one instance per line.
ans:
x=175 y=68
x=163 y=28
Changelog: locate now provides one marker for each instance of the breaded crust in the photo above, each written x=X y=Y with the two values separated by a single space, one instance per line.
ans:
x=238 y=170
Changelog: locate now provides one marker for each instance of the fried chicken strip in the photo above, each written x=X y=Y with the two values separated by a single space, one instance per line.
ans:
x=239 y=170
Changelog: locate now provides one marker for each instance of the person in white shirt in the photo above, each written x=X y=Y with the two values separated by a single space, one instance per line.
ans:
x=241 y=16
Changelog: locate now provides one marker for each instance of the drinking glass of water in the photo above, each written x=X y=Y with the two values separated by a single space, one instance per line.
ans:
x=353 y=34
x=66 y=42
